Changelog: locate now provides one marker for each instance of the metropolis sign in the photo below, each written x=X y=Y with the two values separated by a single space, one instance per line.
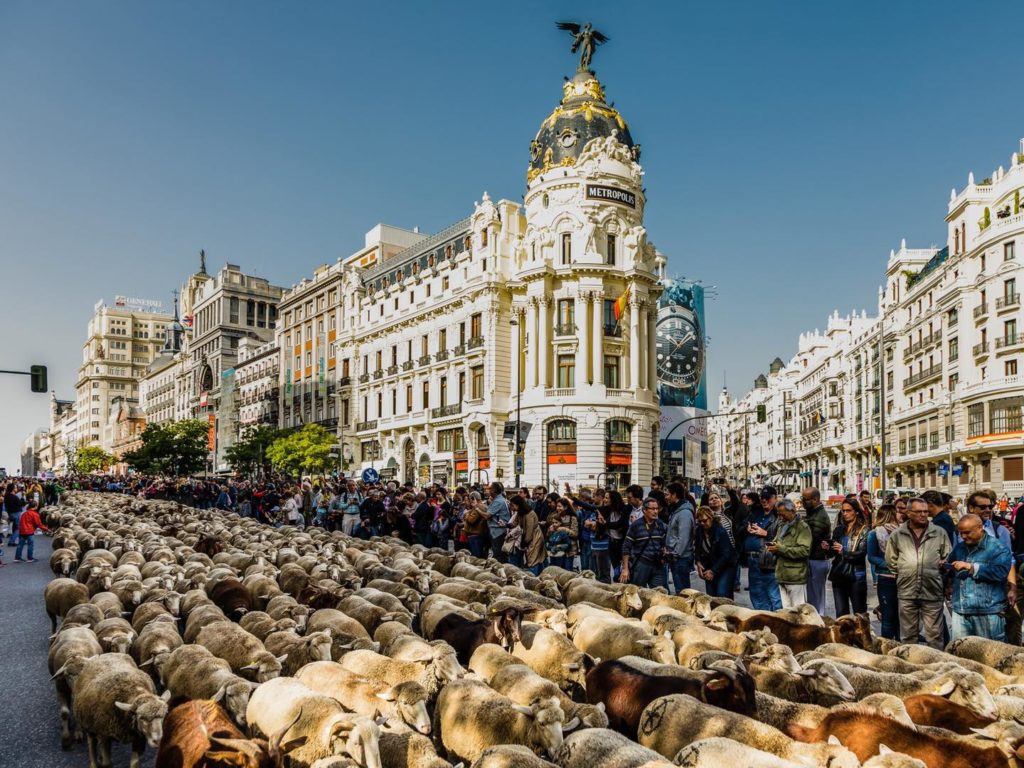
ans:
x=612 y=194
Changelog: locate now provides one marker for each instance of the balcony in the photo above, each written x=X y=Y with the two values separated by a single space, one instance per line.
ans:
x=927 y=341
x=366 y=426
x=331 y=423
x=613 y=329
x=424 y=360
x=980 y=349
x=446 y=410
x=459 y=350
x=441 y=356
x=560 y=392
x=932 y=372
x=345 y=381
x=565 y=329
x=476 y=341
x=1005 y=343
x=408 y=365
x=363 y=378
x=980 y=311
x=392 y=370
x=1008 y=302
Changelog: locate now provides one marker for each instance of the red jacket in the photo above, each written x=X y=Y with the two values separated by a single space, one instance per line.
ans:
x=29 y=523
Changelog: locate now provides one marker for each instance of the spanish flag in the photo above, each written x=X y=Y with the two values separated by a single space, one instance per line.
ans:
x=619 y=307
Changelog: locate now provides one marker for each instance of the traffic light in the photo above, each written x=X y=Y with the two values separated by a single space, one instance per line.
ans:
x=762 y=414
x=38 y=377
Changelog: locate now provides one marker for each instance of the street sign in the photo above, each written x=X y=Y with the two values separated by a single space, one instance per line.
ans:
x=958 y=470
x=370 y=475
x=520 y=464
x=943 y=469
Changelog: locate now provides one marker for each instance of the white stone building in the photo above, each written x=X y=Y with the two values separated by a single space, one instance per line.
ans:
x=949 y=383
x=257 y=376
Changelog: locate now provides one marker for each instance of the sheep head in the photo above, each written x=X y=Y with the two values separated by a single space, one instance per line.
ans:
x=147 y=713
x=410 y=702
x=546 y=723
x=824 y=678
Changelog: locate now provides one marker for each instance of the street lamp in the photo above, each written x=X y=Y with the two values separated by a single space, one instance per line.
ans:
x=519 y=394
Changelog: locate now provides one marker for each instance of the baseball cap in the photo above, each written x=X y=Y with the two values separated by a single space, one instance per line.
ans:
x=768 y=492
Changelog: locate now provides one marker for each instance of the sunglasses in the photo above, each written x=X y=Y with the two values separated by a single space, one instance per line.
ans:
x=984 y=506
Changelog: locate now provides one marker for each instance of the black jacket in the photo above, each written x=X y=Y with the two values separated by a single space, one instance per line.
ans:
x=819 y=523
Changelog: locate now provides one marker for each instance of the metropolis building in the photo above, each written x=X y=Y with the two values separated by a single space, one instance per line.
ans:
x=543 y=313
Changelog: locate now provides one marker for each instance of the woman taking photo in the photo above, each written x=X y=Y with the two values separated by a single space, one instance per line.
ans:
x=849 y=547
x=716 y=556
x=888 y=604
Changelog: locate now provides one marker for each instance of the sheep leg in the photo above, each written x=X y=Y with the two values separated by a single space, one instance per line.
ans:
x=53 y=622
x=65 y=723
x=90 y=740
x=104 y=749
x=138 y=747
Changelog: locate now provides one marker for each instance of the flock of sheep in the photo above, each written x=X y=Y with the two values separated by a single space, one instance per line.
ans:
x=219 y=641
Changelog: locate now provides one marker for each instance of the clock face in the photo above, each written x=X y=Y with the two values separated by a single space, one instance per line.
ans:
x=680 y=348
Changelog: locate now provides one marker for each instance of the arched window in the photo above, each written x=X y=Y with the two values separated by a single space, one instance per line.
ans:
x=483 y=238
x=561 y=445
x=619 y=451
x=483 y=450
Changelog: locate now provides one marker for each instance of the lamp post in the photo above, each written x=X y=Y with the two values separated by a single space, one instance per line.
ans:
x=519 y=395
x=952 y=434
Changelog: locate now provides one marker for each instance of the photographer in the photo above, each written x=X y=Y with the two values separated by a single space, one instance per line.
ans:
x=643 y=549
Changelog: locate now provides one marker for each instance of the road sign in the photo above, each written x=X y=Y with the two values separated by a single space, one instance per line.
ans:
x=370 y=475
x=520 y=464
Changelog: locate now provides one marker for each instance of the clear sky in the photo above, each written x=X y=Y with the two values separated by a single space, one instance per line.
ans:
x=787 y=145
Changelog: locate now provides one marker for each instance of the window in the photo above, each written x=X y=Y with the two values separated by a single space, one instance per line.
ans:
x=566 y=317
x=424 y=345
x=954 y=379
x=476 y=384
x=462 y=334
x=1010 y=368
x=309 y=359
x=1013 y=469
x=250 y=312
x=1010 y=332
x=566 y=371
x=444 y=285
x=954 y=349
x=952 y=317
x=380 y=359
x=610 y=256
x=889 y=380
x=380 y=404
x=426 y=394
x=1009 y=251
x=483 y=238
x=975 y=420
x=609 y=314
x=394 y=401
x=444 y=440
x=476 y=325
x=442 y=340
x=611 y=371
x=233 y=309
x=566 y=248
x=344 y=412
x=444 y=391
x=618 y=431
x=366 y=449
x=1005 y=415
x=462 y=386
x=394 y=354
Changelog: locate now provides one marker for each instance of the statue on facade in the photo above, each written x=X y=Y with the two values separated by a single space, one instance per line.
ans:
x=202 y=262
x=585 y=40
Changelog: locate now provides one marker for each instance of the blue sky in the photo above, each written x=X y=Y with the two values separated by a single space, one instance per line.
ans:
x=787 y=146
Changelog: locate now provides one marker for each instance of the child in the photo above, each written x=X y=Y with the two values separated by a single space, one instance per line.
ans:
x=559 y=543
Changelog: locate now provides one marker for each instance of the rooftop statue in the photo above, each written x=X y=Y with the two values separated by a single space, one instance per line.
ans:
x=585 y=40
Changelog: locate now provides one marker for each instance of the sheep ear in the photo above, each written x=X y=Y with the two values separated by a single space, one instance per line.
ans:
x=983 y=733
x=574 y=723
x=166 y=695
x=645 y=643
x=60 y=671
x=248 y=667
x=219 y=694
x=388 y=695
x=884 y=750
x=122 y=706
x=149 y=661
x=523 y=710
x=280 y=659
x=945 y=689
x=833 y=741
x=716 y=683
x=806 y=673
x=572 y=667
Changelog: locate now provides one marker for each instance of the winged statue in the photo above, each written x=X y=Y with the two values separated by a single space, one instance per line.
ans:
x=585 y=40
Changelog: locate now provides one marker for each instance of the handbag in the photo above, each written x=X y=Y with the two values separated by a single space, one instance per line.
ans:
x=841 y=570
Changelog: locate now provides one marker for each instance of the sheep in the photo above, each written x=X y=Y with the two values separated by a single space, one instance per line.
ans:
x=262 y=626
x=148 y=612
x=63 y=562
x=287 y=607
x=627 y=602
x=554 y=618
x=199 y=733
x=607 y=637
x=863 y=733
x=231 y=596
x=510 y=756
x=489 y=659
x=405 y=702
x=115 y=635
x=82 y=615
x=523 y=686
x=671 y=722
x=319 y=720
x=936 y=711
x=409 y=750
x=553 y=656
x=297 y=651
x=799 y=614
x=154 y=644
x=368 y=614
x=109 y=604
x=243 y=651
x=115 y=700
x=924 y=656
x=598 y=747
x=60 y=596
x=200 y=617
x=68 y=654
x=496 y=719
x=431 y=671
x=718 y=751
x=1003 y=657
x=736 y=643
x=436 y=606
x=502 y=626
x=191 y=671
x=959 y=686
x=819 y=682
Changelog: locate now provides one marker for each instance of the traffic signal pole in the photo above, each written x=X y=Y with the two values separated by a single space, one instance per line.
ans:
x=38 y=375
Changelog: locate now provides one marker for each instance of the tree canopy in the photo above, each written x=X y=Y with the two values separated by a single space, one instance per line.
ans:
x=249 y=453
x=306 y=450
x=91 y=458
x=176 y=448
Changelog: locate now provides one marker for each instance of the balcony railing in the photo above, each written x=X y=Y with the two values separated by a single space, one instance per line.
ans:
x=613 y=329
x=331 y=423
x=1011 y=300
x=476 y=341
x=424 y=360
x=392 y=370
x=366 y=426
x=442 y=354
x=980 y=349
x=565 y=329
x=1009 y=341
x=408 y=365
x=917 y=346
x=980 y=311
x=363 y=378
x=923 y=376
x=446 y=410
x=459 y=350
x=345 y=381
x=378 y=374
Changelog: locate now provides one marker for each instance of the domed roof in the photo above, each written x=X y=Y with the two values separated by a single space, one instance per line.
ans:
x=583 y=115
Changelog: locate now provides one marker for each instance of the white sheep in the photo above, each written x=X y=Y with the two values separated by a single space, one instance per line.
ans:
x=610 y=637
x=598 y=747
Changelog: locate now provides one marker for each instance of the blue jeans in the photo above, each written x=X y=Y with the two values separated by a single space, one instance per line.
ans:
x=723 y=583
x=13 y=538
x=516 y=558
x=992 y=626
x=24 y=539
x=647 y=574
x=889 y=607
x=561 y=561
x=478 y=546
x=681 y=567
x=764 y=590
x=585 y=554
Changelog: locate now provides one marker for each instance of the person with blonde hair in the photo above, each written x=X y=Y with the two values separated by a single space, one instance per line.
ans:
x=715 y=554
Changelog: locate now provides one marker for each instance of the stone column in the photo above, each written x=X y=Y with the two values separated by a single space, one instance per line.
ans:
x=597 y=337
x=582 y=348
x=516 y=368
x=531 y=348
x=652 y=351
x=634 y=343
x=641 y=346
x=543 y=321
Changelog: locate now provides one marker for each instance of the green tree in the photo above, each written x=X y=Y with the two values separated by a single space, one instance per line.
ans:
x=91 y=458
x=307 y=450
x=248 y=454
x=177 y=448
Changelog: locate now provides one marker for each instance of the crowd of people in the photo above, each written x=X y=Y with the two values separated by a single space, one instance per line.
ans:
x=918 y=552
